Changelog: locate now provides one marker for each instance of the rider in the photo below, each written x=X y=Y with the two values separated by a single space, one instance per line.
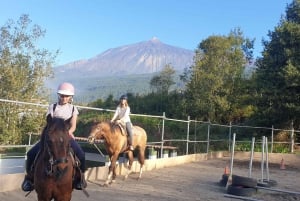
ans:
x=63 y=109
x=122 y=116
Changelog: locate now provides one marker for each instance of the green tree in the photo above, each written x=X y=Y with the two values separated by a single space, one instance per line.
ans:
x=278 y=73
x=214 y=85
x=162 y=82
x=23 y=68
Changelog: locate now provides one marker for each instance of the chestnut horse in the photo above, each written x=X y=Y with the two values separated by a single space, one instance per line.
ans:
x=116 y=142
x=54 y=167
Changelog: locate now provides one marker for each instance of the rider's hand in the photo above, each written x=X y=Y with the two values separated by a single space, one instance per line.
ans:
x=71 y=135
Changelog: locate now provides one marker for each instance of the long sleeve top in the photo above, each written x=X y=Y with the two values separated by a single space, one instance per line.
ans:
x=122 y=113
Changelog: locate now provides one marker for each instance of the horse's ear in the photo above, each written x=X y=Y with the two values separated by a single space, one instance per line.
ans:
x=49 y=118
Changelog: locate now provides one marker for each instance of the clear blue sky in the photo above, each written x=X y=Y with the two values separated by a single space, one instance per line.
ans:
x=81 y=29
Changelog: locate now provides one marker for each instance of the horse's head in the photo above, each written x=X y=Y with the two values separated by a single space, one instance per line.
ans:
x=56 y=141
x=98 y=131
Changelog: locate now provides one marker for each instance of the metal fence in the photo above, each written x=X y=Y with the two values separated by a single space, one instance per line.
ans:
x=192 y=136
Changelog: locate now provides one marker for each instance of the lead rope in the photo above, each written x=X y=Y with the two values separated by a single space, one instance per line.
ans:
x=99 y=150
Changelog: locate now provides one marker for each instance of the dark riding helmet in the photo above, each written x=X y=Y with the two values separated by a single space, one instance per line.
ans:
x=124 y=96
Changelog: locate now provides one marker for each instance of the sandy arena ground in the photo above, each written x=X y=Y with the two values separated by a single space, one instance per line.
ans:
x=191 y=181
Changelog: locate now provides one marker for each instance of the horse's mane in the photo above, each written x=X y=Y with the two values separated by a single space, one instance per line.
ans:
x=113 y=127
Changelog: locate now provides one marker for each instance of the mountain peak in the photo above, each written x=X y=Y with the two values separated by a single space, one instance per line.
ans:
x=139 y=58
x=155 y=40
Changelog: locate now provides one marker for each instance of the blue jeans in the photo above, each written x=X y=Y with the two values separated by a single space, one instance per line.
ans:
x=129 y=131
x=79 y=153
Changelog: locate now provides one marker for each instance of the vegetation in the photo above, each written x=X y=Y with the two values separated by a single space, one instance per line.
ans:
x=215 y=86
x=277 y=78
x=161 y=83
x=23 y=68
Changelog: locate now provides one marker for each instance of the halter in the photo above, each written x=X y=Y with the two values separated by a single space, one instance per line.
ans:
x=52 y=162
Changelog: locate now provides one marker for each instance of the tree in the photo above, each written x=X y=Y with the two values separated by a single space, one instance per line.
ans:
x=278 y=73
x=164 y=80
x=23 y=68
x=213 y=88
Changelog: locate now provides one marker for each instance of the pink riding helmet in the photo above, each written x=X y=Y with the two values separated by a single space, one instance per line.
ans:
x=66 y=89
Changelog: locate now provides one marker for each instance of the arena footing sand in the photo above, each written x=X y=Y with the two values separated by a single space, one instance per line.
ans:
x=191 y=181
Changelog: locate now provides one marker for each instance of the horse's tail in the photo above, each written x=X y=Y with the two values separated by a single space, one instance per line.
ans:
x=142 y=146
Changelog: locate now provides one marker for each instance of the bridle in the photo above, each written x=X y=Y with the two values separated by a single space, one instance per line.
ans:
x=53 y=161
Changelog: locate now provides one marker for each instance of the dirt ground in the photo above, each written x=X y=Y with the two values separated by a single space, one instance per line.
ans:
x=191 y=181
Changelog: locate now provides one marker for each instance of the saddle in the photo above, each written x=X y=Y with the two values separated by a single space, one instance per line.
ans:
x=123 y=129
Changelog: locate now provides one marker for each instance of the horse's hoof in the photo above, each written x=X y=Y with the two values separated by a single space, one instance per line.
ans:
x=105 y=185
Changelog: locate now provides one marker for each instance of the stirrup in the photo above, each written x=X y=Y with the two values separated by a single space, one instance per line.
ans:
x=80 y=184
x=27 y=185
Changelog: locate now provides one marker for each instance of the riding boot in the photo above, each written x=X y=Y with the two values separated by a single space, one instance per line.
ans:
x=83 y=181
x=80 y=182
x=27 y=184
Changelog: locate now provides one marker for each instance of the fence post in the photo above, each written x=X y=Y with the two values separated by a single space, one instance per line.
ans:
x=195 y=134
x=187 y=136
x=262 y=157
x=292 y=138
x=162 y=135
x=208 y=132
x=272 y=139
x=229 y=138
x=29 y=141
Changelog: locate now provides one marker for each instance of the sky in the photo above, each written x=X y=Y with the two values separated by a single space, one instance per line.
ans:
x=82 y=29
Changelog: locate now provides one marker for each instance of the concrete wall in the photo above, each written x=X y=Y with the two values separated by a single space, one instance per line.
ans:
x=11 y=182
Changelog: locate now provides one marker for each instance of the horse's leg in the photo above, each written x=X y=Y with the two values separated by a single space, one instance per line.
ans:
x=130 y=159
x=67 y=197
x=141 y=158
x=111 y=172
x=63 y=195
x=109 y=176
x=44 y=197
x=115 y=169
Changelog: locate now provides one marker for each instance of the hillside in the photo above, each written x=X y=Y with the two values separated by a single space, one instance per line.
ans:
x=125 y=69
x=92 y=88
x=140 y=58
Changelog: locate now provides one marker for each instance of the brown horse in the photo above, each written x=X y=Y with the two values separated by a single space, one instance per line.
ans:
x=116 y=142
x=54 y=167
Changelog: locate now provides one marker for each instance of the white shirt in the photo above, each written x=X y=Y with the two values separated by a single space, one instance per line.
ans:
x=62 y=111
x=122 y=113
